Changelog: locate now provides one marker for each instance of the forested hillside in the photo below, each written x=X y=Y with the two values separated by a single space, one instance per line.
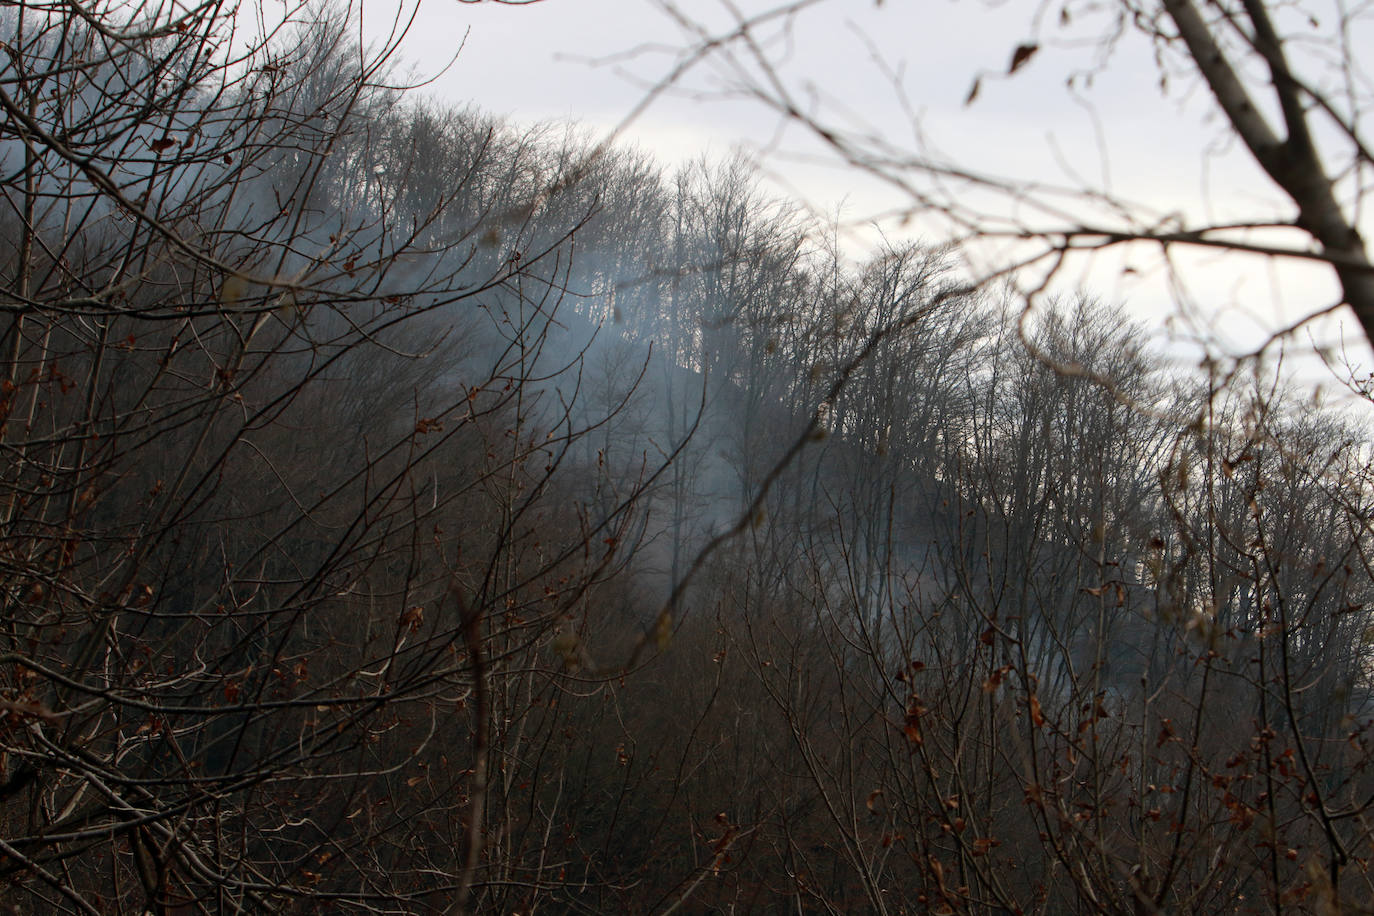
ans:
x=404 y=511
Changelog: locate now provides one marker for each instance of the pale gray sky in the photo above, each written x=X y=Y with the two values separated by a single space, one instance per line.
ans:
x=591 y=61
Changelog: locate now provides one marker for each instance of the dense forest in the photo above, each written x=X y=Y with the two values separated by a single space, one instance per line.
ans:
x=404 y=511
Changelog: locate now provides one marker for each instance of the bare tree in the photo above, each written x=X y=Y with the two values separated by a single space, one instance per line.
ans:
x=287 y=516
x=1287 y=80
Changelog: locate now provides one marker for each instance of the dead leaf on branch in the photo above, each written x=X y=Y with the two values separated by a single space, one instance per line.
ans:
x=983 y=844
x=973 y=91
x=912 y=727
x=1021 y=56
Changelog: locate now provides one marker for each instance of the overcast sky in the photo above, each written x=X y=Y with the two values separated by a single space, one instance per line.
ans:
x=592 y=61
